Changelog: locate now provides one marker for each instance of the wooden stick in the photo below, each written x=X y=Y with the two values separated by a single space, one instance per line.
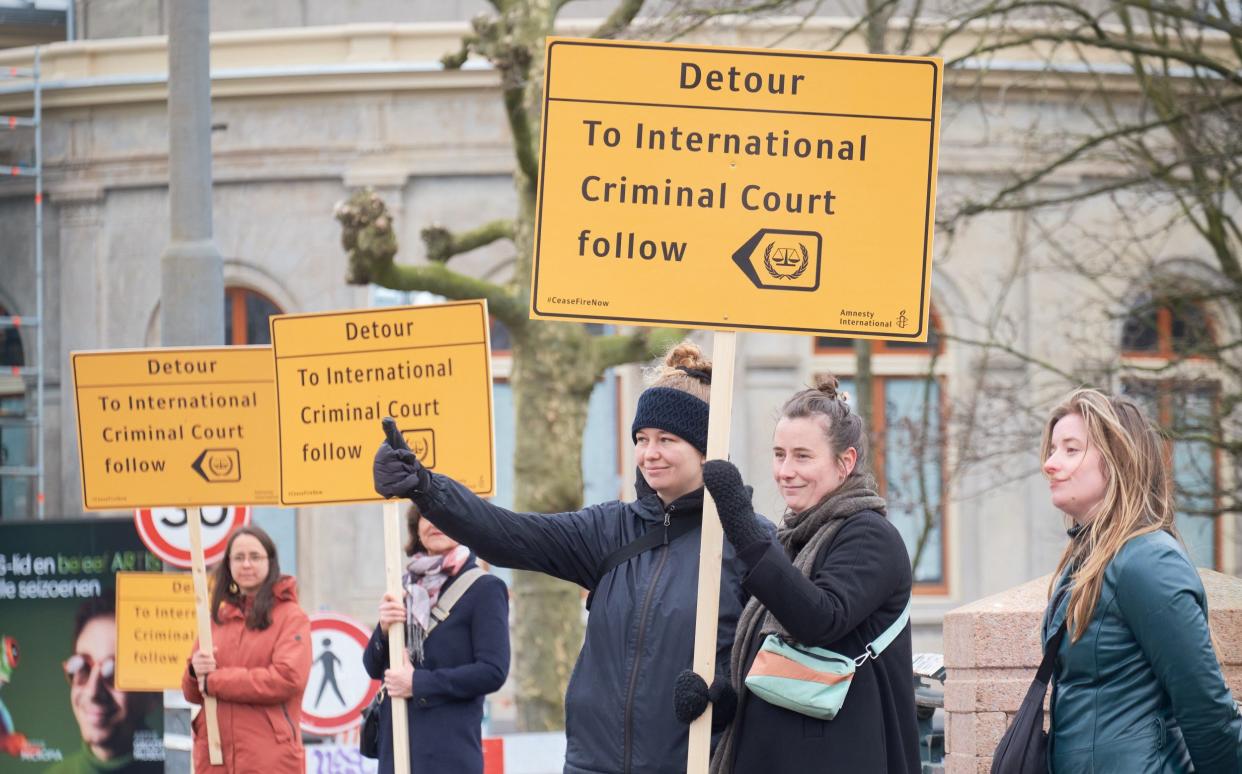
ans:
x=393 y=561
x=711 y=546
x=198 y=565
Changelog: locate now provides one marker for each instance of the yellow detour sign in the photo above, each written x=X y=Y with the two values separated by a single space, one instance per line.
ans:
x=338 y=374
x=155 y=629
x=737 y=189
x=176 y=427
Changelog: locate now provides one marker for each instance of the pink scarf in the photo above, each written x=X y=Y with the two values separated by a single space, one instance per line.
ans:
x=425 y=575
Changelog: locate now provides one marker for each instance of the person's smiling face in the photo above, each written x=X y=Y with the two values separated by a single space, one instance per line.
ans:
x=103 y=712
x=669 y=463
x=805 y=467
x=1074 y=468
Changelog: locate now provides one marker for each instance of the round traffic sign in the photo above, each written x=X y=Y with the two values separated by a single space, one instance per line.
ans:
x=339 y=688
x=166 y=531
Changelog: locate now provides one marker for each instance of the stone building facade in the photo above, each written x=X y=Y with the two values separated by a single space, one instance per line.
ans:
x=311 y=102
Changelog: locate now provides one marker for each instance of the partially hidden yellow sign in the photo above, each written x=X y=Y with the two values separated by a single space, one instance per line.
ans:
x=338 y=374
x=737 y=189
x=155 y=629
x=176 y=427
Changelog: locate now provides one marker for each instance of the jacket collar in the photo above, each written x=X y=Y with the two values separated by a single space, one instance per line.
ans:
x=650 y=506
x=284 y=590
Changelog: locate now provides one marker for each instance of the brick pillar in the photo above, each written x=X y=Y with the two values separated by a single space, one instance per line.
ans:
x=992 y=649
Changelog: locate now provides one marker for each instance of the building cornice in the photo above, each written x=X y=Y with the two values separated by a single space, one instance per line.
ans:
x=356 y=58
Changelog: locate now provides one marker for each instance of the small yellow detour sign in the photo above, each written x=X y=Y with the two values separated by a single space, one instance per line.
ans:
x=155 y=629
x=737 y=189
x=339 y=373
x=176 y=427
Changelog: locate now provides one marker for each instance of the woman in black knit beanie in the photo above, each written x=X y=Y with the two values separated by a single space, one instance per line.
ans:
x=639 y=560
x=836 y=576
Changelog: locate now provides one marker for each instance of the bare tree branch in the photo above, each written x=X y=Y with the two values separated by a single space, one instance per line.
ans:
x=437 y=278
x=642 y=344
x=619 y=19
x=443 y=244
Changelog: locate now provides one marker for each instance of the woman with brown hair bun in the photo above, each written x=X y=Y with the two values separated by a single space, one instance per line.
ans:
x=837 y=578
x=639 y=560
x=260 y=664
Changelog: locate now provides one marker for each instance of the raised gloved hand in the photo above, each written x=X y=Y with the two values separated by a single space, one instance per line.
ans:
x=737 y=517
x=691 y=695
x=396 y=471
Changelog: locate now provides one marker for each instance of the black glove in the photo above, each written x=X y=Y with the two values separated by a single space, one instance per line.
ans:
x=396 y=471
x=691 y=695
x=737 y=517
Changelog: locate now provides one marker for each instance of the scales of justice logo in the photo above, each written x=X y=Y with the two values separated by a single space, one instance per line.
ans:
x=786 y=262
x=779 y=259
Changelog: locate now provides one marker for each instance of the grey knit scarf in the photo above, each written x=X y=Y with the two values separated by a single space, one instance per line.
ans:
x=803 y=536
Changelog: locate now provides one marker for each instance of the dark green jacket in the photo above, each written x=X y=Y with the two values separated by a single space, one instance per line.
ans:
x=1141 y=691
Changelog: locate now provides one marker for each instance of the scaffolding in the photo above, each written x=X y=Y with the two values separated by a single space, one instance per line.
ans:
x=30 y=420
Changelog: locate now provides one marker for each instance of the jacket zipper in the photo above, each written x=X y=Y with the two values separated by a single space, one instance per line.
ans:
x=638 y=644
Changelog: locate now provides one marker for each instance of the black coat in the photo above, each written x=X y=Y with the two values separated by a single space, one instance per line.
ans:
x=640 y=632
x=464 y=659
x=860 y=585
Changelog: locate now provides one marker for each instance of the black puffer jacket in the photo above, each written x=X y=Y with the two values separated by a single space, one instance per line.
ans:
x=639 y=635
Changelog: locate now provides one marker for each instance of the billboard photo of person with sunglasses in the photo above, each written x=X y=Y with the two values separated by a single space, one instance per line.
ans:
x=108 y=719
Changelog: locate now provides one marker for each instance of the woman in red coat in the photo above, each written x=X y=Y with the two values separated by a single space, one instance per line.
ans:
x=260 y=666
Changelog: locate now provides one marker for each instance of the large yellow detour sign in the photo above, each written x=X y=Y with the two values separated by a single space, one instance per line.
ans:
x=339 y=373
x=155 y=629
x=737 y=189
x=176 y=427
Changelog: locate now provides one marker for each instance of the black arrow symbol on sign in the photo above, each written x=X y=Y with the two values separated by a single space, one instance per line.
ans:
x=198 y=466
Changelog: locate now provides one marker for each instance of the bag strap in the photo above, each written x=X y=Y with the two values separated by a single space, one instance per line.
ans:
x=1044 y=674
x=877 y=646
x=444 y=605
x=653 y=538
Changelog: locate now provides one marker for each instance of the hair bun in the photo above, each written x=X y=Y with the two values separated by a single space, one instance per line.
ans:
x=687 y=356
x=828 y=384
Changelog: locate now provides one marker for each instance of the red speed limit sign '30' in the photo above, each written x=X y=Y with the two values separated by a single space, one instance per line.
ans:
x=166 y=532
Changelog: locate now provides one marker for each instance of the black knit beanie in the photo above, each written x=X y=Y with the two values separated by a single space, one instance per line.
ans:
x=675 y=411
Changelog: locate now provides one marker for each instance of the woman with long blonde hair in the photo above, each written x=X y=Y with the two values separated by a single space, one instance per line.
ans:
x=1136 y=686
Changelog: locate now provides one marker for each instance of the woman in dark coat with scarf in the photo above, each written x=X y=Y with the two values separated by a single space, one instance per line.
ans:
x=836 y=577
x=446 y=672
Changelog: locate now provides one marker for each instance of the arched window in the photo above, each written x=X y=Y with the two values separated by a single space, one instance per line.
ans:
x=245 y=316
x=907 y=425
x=1168 y=348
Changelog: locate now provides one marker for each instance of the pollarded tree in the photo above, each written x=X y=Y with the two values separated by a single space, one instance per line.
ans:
x=555 y=364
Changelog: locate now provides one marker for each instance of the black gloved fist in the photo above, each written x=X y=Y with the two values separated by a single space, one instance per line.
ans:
x=396 y=471
x=737 y=517
x=691 y=695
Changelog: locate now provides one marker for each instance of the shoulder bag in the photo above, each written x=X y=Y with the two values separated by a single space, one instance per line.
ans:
x=1024 y=747
x=808 y=680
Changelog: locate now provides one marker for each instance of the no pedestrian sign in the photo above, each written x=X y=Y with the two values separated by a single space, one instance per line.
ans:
x=737 y=189
x=338 y=374
x=176 y=427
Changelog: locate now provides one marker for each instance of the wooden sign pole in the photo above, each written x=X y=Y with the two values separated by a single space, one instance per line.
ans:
x=711 y=547
x=198 y=569
x=396 y=634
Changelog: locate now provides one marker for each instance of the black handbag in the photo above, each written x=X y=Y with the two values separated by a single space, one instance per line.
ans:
x=1024 y=747
x=368 y=738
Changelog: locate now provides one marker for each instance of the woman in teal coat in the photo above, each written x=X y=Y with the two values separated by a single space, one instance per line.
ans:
x=1137 y=687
